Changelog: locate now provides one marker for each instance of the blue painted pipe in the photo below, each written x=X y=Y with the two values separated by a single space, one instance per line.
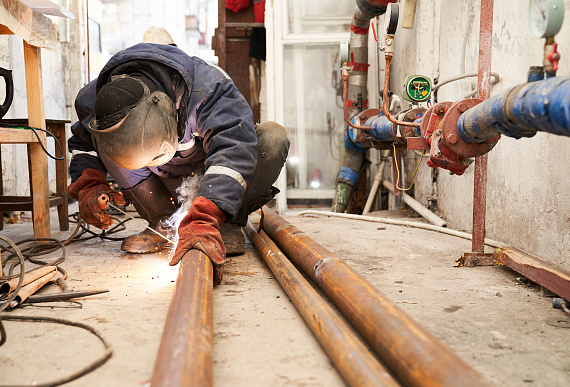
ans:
x=381 y=128
x=542 y=106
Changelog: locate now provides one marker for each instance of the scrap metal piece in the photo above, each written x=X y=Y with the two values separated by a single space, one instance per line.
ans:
x=63 y=296
x=550 y=276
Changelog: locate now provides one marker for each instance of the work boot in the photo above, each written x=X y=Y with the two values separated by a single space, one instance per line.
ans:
x=154 y=203
x=233 y=238
x=148 y=241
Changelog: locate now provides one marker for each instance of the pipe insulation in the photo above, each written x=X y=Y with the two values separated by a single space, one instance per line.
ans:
x=397 y=222
x=542 y=106
x=352 y=359
x=417 y=206
x=414 y=355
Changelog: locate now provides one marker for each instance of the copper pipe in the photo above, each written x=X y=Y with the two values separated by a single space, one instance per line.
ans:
x=30 y=276
x=352 y=359
x=385 y=97
x=185 y=353
x=29 y=289
x=414 y=355
x=344 y=97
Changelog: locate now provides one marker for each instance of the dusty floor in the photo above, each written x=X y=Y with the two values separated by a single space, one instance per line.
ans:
x=499 y=323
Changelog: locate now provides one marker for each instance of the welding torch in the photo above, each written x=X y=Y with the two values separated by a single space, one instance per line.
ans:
x=103 y=201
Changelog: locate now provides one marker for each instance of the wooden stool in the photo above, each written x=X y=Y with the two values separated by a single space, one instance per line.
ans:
x=25 y=203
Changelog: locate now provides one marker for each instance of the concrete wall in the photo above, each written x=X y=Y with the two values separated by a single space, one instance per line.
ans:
x=528 y=204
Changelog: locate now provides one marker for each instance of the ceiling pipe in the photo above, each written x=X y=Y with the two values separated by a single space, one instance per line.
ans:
x=414 y=355
x=185 y=353
x=351 y=358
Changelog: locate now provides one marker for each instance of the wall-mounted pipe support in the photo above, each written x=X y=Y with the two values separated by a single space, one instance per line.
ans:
x=413 y=354
x=185 y=353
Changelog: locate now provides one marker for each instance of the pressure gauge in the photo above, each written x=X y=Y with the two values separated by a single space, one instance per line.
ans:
x=391 y=18
x=545 y=17
x=417 y=88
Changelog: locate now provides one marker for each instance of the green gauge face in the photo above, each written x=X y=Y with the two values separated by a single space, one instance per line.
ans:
x=545 y=17
x=417 y=88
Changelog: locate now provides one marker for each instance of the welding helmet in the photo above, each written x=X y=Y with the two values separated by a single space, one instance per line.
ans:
x=135 y=123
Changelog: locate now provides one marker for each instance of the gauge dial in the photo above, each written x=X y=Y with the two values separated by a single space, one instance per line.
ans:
x=391 y=18
x=545 y=17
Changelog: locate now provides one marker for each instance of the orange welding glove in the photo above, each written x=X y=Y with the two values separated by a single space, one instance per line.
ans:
x=87 y=190
x=200 y=230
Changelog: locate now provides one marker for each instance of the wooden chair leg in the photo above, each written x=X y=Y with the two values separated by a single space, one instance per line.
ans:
x=61 y=176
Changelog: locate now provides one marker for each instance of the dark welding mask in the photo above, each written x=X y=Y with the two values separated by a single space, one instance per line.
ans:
x=135 y=126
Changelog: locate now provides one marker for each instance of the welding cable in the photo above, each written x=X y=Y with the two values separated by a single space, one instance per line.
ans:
x=20 y=256
x=85 y=370
x=33 y=129
x=398 y=171
x=14 y=294
x=396 y=222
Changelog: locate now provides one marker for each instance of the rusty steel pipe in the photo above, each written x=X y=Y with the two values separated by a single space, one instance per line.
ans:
x=414 y=355
x=352 y=359
x=185 y=353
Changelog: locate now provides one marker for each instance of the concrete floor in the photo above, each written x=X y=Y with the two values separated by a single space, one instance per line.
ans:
x=502 y=325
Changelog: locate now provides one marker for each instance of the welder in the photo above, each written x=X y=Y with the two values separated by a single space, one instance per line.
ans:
x=155 y=116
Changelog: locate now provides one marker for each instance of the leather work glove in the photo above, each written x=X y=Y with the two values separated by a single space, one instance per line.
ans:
x=200 y=230
x=87 y=190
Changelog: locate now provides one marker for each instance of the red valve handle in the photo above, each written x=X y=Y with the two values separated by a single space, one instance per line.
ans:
x=554 y=56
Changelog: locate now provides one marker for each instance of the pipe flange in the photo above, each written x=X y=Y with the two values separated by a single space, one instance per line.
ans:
x=451 y=138
x=410 y=116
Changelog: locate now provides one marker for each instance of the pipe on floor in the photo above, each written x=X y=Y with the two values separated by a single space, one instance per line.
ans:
x=185 y=353
x=417 y=206
x=397 y=222
x=352 y=359
x=414 y=355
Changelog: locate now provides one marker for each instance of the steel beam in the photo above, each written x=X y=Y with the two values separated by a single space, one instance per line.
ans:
x=552 y=277
x=351 y=358
x=414 y=355
x=185 y=353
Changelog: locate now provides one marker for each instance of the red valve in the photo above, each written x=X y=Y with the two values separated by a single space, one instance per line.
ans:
x=554 y=56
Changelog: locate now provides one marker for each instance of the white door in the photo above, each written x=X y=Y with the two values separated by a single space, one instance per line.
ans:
x=304 y=90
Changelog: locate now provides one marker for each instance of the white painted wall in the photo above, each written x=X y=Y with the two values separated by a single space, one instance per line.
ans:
x=528 y=201
x=14 y=157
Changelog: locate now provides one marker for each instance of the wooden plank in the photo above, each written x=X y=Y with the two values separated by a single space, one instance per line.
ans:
x=17 y=136
x=5 y=30
x=550 y=276
x=37 y=159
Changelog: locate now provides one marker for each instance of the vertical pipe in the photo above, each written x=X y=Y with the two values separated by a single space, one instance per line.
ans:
x=484 y=91
x=185 y=353
x=352 y=359
x=414 y=355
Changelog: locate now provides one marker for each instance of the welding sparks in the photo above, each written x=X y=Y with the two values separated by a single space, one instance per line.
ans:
x=186 y=194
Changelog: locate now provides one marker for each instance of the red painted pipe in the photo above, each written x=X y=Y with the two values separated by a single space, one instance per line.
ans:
x=484 y=91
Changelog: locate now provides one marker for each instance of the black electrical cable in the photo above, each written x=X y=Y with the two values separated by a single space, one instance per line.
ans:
x=13 y=296
x=85 y=370
x=33 y=129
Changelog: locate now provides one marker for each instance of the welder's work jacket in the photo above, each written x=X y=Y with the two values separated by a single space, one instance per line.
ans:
x=216 y=132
